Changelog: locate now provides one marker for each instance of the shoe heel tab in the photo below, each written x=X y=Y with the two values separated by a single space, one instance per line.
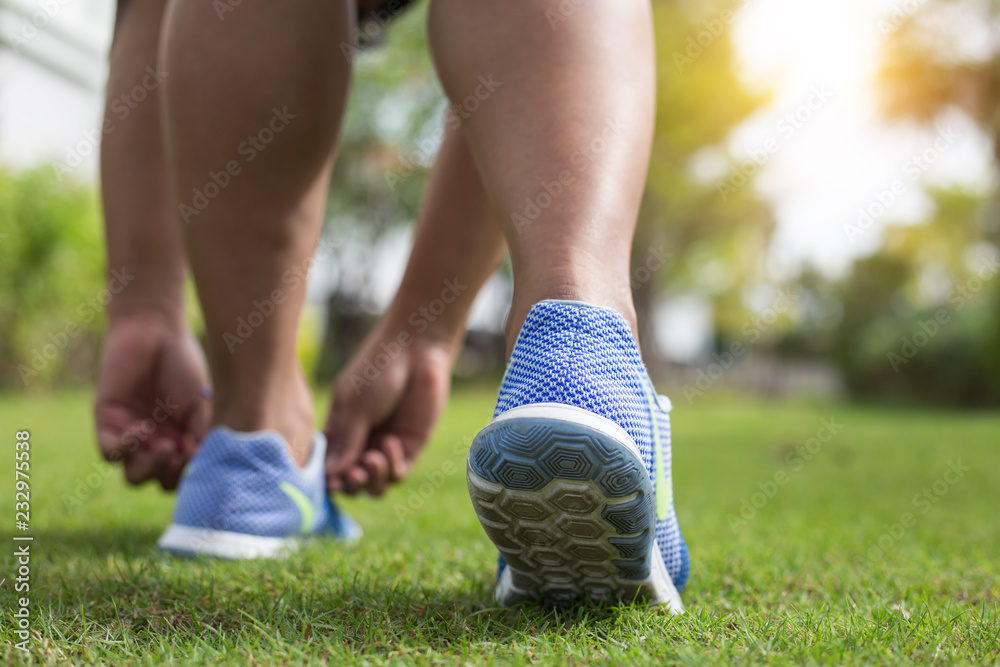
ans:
x=266 y=445
x=599 y=320
x=245 y=437
x=317 y=459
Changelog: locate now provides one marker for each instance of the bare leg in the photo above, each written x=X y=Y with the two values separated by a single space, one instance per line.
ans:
x=562 y=147
x=563 y=143
x=152 y=368
x=252 y=110
x=138 y=204
x=377 y=425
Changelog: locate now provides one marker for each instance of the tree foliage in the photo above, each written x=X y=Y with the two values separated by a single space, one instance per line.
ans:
x=717 y=237
x=930 y=66
x=51 y=279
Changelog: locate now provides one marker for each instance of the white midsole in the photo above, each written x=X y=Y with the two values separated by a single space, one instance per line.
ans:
x=224 y=544
x=663 y=583
x=570 y=413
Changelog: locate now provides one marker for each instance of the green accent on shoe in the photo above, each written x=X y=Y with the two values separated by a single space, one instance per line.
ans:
x=664 y=488
x=302 y=502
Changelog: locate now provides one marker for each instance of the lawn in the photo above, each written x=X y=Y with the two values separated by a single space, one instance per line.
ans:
x=866 y=535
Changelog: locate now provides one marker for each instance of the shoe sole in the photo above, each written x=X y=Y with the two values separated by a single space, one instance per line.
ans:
x=188 y=541
x=564 y=495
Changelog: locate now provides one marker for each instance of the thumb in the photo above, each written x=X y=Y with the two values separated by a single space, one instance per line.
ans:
x=347 y=430
x=109 y=442
x=114 y=436
x=355 y=414
x=196 y=423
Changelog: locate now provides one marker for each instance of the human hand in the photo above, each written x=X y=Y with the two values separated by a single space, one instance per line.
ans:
x=385 y=403
x=152 y=409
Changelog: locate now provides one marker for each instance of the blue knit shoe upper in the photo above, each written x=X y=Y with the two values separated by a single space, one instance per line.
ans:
x=584 y=356
x=245 y=488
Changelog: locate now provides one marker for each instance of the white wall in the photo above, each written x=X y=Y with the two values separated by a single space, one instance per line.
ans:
x=53 y=61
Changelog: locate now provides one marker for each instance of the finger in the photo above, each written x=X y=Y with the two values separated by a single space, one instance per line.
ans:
x=346 y=432
x=418 y=410
x=187 y=381
x=109 y=442
x=377 y=466
x=392 y=448
x=169 y=470
x=334 y=484
x=115 y=434
x=140 y=466
x=185 y=436
x=356 y=412
x=354 y=479
x=170 y=478
x=170 y=461
x=198 y=423
x=189 y=446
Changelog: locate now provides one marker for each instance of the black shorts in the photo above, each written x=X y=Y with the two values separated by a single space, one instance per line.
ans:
x=373 y=17
x=380 y=10
x=368 y=10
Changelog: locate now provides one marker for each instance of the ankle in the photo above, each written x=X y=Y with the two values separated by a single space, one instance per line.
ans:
x=285 y=408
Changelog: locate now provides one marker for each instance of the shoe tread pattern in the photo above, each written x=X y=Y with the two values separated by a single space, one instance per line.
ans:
x=569 y=508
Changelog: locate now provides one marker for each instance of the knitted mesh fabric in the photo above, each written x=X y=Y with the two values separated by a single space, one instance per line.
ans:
x=234 y=484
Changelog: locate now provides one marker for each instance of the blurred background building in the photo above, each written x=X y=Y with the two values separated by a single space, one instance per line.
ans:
x=819 y=217
x=53 y=62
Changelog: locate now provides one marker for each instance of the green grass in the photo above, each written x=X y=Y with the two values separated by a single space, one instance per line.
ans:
x=797 y=583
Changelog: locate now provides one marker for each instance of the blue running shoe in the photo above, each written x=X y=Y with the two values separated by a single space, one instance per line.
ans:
x=242 y=496
x=563 y=478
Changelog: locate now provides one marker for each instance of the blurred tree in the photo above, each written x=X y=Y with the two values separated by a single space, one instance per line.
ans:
x=922 y=315
x=395 y=110
x=390 y=136
x=52 y=287
x=715 y=230
x=944 y=55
